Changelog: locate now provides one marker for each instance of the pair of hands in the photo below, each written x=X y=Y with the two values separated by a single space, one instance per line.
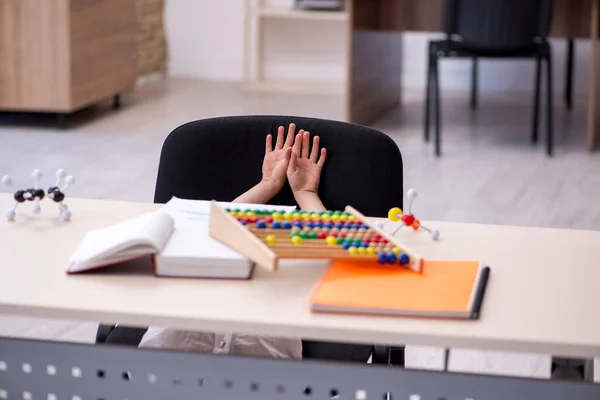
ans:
x=292 y=159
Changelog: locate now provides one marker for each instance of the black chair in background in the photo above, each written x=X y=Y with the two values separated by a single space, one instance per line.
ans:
x=220 y=158
x=493 y=29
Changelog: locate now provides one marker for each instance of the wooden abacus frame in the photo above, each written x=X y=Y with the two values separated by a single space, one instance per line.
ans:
x=228 y=230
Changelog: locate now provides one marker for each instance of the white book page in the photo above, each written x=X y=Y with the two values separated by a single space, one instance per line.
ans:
x=195 y=243
x=141 y=235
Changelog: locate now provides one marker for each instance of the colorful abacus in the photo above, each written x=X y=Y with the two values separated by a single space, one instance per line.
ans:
x=336 y=234
x=302 y=234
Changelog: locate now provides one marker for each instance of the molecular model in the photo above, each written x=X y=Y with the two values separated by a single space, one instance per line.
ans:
x=407 y=219
x=36 y=194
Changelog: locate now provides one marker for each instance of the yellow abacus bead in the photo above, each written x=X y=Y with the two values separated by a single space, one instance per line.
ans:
x=343 y=218
x=325 y=217
x=233 y=213
x=353 y=250
x=395 y=214
x=331 y=240
x=250 y=214
x=271 y=239
x=306 y=216
x=287 y=216
x=351 y=218
x=371 y=250
x=296 y=240
x=315 y=216
x=335 y=218
x=396 y=250
x=276 y=216
x=297 y=215
x=361 y=250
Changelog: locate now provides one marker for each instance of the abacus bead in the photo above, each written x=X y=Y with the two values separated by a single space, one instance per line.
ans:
x=334 y=230
x=276 y=225
x=396 y=250
x=347 y=245
x=365 y=227
x=381 y=258
x=329 y=225
x=261 y=225
x=297 y=215
x=373 y=244
x=371 y=250
x=404 y=259
x=306 y=229
x=250 y=214
x=364 y=244
x=321 y=235
x=296 y=229
x=303 y=235
x=287 y=225
x=331 y=240
x=337 y=212
x=391 y=257
x=325 y=217
x=339 y=240
x=296 y=240
x=243 y=222
x=355 y=226
x=271 y=239
x=352 y=250
x=335 y=217
x=309 y=225
x=312 y=235
x=268 y=220
x=361 y=250
x=294 y=234
x=298 y=225
x=276 y=216
x=315 y=216
x=339 y=226
x=318 y=225
x=351 y=218
x=343 y=218
x=287 y=216
x=252 y=220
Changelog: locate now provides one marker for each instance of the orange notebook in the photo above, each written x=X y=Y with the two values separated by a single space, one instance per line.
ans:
x=444 y=289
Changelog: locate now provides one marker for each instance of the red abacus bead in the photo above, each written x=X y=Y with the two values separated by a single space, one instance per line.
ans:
x=341 y=235
x=317 y=221
x=321 y=235
x=253 y=220
x=268 y=220
x=358 y=222
x=296 y=220
x=245 y=219
x=408 y=219
x=376 y=237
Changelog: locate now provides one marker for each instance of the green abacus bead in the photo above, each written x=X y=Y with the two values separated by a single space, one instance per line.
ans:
x=340 y=240
x=304 y=235
x=312 y=235
x=295 y=234
x=337 y=213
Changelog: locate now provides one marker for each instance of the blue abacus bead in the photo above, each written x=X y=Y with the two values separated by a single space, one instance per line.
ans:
x=347 y=245
x=287 y=225
x=298 y=224
x=329 y=225
x=261 y=224
x=339 y=226
x=391 y=258
x=382 y=258
x=310 y=225
x=243 y=222
x=403 y=259
x=318 y=226
x=364 y=244
x=276 y=225
x=356 y=226
x=365 y=227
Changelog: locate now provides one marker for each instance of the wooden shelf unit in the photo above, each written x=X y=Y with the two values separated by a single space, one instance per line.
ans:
x=256 y=12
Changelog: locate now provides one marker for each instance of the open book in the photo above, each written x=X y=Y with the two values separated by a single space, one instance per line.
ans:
x=175 y=236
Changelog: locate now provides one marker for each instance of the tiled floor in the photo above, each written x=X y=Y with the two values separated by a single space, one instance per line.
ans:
x=489 y=171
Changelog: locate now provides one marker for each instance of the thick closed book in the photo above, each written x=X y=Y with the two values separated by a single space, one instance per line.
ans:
x=177 y=239
x=443 y=289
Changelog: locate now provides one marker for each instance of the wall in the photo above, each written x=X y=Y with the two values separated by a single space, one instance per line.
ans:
x=206 y=40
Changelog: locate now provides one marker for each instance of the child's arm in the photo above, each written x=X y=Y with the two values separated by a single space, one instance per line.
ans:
x=304 y=171
x=274 y=168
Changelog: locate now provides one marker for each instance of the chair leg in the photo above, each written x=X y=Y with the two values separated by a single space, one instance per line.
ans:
x=549 y=127
x=474 y=81
x=536 y=100
x=427 y=96
x=569 y=74
x=436 y=104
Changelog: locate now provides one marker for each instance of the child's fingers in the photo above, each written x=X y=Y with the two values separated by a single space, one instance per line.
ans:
x=322 y=158
x=279 y=143
x=289 y=140
x=298 y=143
x=315 y=150
x=305 y=144
x=292 y=163
x=269 y=144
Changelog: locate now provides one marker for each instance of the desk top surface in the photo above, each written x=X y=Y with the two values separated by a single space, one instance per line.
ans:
x=542 y=297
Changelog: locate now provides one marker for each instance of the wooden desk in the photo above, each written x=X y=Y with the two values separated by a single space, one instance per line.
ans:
x=373 y=87
x=542 y=295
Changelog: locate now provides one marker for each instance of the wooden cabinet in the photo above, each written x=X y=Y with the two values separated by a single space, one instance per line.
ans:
x=62 y=55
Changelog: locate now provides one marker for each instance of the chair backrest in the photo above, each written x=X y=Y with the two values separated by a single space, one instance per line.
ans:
x=498 y=23
x=220 y=158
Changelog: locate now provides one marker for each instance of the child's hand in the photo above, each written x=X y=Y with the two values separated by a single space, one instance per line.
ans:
x=304 y=170
x=276 y=161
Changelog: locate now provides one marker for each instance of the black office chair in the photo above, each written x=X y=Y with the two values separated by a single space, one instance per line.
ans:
x=493 y=29
x=220 y=158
